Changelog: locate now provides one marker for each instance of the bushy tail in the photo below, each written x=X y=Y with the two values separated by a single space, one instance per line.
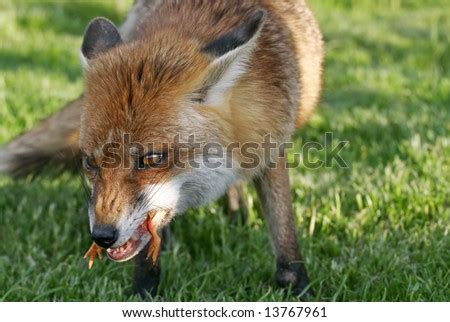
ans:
x=53 y=142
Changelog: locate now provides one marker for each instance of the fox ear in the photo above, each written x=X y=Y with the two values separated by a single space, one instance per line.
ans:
x=100 y=36
x=231 y=53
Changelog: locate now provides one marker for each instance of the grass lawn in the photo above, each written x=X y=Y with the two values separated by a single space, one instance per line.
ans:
x=376 y=231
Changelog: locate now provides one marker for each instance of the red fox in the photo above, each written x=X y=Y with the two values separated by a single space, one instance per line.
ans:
x=225 y=71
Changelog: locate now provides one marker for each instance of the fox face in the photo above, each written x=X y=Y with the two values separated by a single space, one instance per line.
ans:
x=148 y=107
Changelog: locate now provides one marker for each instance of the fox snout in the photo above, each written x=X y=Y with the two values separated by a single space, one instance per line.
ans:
x=111 y=203
x=107 y=222
x=105 y=235
x=118 y=223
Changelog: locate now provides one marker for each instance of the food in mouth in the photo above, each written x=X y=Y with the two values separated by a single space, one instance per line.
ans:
x=131 y=247
x=155 y=241
x=92 y=253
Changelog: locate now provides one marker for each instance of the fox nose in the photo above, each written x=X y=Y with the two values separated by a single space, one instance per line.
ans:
x=104 y=236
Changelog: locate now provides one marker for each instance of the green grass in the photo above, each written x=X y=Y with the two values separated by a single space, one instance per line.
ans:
x=376 y=231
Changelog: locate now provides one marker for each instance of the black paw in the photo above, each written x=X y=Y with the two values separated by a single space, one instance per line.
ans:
x=293 y=276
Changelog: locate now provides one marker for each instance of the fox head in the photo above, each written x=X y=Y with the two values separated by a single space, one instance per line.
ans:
x=147 y=105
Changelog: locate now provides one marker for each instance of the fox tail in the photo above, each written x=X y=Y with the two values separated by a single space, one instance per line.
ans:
x=53 y=142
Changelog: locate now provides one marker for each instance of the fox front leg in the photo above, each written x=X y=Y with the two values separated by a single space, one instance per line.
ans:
x=274 y=194
x=146 y=272
x=146 y=275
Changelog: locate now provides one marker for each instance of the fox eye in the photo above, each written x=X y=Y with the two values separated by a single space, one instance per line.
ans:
x=90 y=164
x=151 y=160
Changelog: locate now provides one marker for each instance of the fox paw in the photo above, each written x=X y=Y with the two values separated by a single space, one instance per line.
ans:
x=293 y=276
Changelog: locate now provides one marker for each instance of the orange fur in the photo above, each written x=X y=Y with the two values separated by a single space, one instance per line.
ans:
x=141 y=87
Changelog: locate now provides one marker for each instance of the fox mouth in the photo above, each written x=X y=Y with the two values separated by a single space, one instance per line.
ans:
x=132 y=247
x=145 y=232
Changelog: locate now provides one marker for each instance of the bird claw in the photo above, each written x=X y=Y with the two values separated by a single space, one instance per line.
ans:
x=152 y=253
x=92 y=253
x=155 y=241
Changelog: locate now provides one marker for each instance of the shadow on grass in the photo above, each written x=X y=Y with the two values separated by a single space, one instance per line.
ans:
x=69 y=17
x=378 y=138
x=377 y=122
x=58 y=61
